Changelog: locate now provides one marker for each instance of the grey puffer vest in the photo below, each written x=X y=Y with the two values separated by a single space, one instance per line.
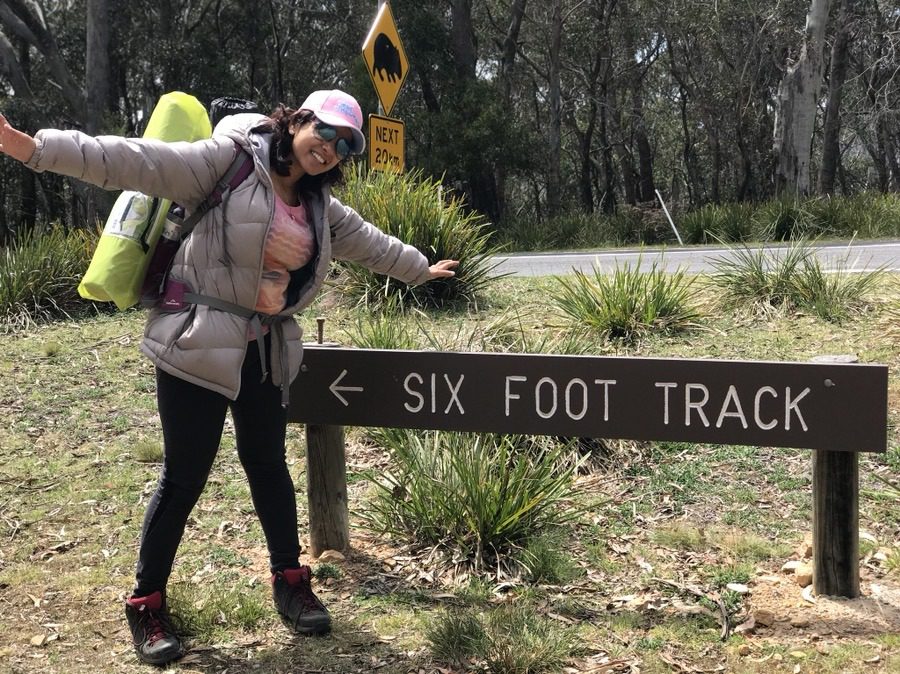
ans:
x=223 y=258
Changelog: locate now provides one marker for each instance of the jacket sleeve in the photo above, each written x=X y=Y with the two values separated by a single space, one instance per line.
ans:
x=182 y=172
x=356 y=240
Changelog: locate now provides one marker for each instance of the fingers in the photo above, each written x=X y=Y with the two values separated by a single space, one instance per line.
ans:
x=443 y=269
x=13 y=142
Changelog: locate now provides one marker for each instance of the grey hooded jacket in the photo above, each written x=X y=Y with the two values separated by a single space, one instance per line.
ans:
x=223 y=258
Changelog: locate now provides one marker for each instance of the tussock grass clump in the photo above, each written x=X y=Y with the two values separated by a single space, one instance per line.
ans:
x=477 y=496
x=210 y=610
x=384 y=328
x=39 y=275
x=148 y=451
x=547 y=559
x=719 y=222
x=506 y=640
x=419 y=212
x=789 y=279
x=627 y=304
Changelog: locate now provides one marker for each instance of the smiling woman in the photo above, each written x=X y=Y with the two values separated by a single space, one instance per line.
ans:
x=237 y=345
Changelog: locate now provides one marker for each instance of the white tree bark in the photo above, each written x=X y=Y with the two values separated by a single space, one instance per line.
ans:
x=798 y=94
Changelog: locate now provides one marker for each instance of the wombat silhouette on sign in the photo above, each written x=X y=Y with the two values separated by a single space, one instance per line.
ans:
x=387 y=59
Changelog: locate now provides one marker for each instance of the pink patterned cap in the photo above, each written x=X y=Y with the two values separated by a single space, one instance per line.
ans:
x=338 y=109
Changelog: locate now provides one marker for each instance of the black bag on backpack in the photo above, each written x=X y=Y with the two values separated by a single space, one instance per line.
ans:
x=229 y=105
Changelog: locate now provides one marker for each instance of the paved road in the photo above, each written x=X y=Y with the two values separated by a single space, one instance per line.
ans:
x=693 y=259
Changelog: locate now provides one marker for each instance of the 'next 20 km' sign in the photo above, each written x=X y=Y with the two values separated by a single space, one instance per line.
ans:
x=386 y=144
x=808 y=405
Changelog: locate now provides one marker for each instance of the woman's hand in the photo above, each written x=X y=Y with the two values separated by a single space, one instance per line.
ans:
x=443 y=269
x=13 y=142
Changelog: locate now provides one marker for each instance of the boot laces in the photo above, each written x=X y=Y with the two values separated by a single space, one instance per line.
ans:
x=156 y=625
x=302 y=592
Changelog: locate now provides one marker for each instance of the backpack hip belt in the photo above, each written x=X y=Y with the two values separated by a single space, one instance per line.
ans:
x=257 y=320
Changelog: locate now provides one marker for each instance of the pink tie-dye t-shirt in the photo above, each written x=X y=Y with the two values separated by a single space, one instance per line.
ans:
x=289 y=245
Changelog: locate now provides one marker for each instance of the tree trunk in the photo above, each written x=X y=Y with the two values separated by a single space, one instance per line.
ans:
x=97 y=92
x=462 y=38
x=831 y=149
x=797 y=96
x=510 y=44
x=554 y=133
x=608 y=196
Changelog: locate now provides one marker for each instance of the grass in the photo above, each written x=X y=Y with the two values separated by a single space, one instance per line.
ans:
x=627 y=304
x=39 y=274
x=78 y=448
x=758 y=281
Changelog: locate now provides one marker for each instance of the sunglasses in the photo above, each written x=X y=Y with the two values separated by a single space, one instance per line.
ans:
x=326 y=132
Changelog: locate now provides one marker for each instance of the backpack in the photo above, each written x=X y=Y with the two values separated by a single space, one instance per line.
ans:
x=132 y=259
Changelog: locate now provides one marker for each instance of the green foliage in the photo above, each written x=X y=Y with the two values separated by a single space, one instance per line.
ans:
x=521 y=641
x=784 y=219
x=867 y=215
x=148 y=451
x=383 y=327
x=718 y=222
x=790 y=278
x=456 y=636
x=627 y=304
x=417 y=211
x=39 y=276
x=720 y=576
x=209 y=610
x=326 y=570
x=506 y=640
x=547 y=559
x=477 y=496
x=832 y=296
x=755 y=278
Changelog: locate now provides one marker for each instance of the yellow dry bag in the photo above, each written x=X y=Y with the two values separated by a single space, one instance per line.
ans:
x=136 y=220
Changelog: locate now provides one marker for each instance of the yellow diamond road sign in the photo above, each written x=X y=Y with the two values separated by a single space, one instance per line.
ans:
x=385 y=58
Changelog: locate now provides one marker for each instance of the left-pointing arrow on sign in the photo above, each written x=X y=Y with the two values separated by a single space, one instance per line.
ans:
x=334 y=388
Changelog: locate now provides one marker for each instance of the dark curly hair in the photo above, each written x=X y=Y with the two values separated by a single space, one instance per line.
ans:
x=281 y=154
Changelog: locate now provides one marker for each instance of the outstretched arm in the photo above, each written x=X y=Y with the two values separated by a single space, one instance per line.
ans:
x=15 y=143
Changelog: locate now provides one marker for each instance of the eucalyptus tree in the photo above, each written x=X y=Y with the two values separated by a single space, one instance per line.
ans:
x=798 y=96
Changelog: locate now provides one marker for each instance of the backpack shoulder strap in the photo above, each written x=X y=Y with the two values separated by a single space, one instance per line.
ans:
x=240 y=168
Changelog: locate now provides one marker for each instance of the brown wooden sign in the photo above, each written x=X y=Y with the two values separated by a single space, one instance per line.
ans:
x=809 y=405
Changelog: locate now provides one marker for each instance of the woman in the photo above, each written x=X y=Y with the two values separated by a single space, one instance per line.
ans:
x=255 y=261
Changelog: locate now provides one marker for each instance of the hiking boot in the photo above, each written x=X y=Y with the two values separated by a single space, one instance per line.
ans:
x=151 y=629
x=296 y=602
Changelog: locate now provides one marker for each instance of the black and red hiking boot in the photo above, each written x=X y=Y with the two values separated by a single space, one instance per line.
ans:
x=151 y=629
x=296 y=602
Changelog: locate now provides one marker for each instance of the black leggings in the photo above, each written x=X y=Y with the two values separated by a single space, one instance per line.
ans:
x=192 y=421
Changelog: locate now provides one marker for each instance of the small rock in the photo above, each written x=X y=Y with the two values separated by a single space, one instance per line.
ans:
x=803 y=575
x=764 y=617
x=743 y=650
x=809 y=594
x=791 y=566
x=740 y=588
x=799 y=621
x=331 y=556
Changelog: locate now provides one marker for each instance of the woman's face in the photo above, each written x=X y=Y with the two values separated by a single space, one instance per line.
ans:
x=312 y=154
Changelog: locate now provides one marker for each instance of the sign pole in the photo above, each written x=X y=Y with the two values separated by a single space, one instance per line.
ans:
x=326 y=482
x=380 y=106
x=836 y=523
